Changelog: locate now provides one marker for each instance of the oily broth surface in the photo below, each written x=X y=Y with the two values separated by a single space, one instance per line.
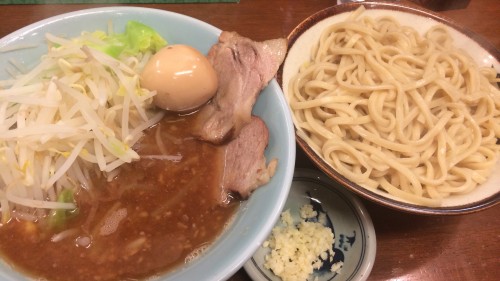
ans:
x=170 y=198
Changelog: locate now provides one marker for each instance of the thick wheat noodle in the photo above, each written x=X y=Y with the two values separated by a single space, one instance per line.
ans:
x=389 y=109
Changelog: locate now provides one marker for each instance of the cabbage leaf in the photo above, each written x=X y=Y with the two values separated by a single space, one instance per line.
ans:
x=137 y=38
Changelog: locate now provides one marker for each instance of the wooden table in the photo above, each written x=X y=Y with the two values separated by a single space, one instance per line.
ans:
x=409 y=247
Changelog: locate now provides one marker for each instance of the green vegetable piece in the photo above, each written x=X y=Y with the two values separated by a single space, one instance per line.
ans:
x=142 y=38
x=59 y=217
x=137 y=38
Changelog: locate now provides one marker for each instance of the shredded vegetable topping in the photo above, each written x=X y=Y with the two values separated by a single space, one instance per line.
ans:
x=81 y=108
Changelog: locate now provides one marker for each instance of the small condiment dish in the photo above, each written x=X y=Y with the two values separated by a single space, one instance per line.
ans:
x=355 y=239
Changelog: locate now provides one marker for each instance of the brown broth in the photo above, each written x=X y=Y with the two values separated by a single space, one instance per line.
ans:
x=169 y=208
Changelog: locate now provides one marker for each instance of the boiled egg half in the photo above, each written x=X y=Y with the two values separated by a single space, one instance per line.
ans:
x=183 y=78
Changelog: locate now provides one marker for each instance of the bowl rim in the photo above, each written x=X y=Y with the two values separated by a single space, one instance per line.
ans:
x=331 y=11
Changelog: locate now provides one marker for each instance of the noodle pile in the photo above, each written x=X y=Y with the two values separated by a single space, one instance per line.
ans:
x=394 y=110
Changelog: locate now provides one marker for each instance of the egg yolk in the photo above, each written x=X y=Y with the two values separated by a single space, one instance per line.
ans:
x=183 y=78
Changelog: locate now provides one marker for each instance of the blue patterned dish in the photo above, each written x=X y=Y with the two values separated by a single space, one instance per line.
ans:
x=355 y=242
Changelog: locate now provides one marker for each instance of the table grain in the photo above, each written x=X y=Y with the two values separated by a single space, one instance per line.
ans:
x=409 y=247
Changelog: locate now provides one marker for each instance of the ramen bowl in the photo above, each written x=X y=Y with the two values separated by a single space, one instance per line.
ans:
x=255 y=217
x=307 y=33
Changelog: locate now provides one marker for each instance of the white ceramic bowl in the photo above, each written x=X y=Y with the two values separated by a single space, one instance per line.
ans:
x=355 y=239
x=483 y=52
x=256 y=216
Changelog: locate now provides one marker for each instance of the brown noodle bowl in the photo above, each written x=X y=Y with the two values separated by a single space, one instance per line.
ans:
x=393 y=110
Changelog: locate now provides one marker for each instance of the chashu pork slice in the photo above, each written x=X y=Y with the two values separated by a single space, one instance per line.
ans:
x=245 y=166
x=244 y=67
